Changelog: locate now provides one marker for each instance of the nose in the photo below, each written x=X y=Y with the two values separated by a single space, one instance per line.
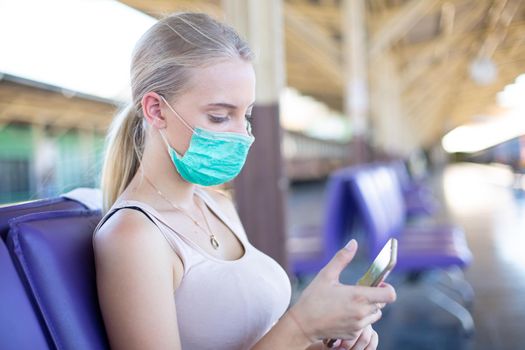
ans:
x=243 y=127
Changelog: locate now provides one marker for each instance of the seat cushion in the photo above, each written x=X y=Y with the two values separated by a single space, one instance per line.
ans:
x=20 y=328
x=54 y=253
x=50 y=204
x=438 y=246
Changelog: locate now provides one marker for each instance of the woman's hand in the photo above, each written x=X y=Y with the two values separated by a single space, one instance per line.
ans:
x=368 y=340
x=329 y=309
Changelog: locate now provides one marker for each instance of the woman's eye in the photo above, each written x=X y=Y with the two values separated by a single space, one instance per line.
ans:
x=217 y=119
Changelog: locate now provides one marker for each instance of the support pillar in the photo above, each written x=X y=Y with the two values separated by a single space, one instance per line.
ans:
x=260 y=189
x=355 y=98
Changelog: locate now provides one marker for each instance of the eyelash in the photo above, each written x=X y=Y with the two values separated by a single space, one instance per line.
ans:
x=218 y=120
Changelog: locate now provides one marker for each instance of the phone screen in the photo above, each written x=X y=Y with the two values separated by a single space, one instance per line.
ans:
x=382 y=265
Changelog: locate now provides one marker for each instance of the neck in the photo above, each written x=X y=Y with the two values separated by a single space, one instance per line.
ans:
x=158 y=167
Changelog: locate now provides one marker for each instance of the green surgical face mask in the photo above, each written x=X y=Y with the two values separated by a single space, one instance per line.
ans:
x=212 y=158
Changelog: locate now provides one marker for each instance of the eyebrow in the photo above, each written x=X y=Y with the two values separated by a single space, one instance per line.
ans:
x=226 y=105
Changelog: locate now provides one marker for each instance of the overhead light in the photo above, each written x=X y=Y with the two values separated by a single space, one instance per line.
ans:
x=483 y=71
x=479 y=136
x=513 y=95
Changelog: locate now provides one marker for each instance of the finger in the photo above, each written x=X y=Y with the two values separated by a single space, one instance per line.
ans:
x=384 y=284
x=374 y=341
x=364 y=339
x=372 y=309
x=341 y=259
x=337 y=343
x=333 y=345
x=386 y=294
x=347 y=345
x=370 y=319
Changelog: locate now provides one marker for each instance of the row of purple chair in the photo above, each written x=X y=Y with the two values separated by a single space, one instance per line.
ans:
x=380 y=207
x=418 y=197
x=370 y=198
x=48 y=297
x=378 y=201
x=373 y=195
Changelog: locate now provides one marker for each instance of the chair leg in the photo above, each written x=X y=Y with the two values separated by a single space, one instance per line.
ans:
x=457 y=310
x=452 y=282
x=461 y=287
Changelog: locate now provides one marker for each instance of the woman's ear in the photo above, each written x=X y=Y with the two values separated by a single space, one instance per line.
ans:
x=151 y=108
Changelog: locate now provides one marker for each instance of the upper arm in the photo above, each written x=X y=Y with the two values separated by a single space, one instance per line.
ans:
x=135 y=283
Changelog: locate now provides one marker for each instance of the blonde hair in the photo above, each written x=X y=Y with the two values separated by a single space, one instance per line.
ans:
x=162 y=61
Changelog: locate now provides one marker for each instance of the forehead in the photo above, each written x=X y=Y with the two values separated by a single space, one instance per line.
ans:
x=230 y=81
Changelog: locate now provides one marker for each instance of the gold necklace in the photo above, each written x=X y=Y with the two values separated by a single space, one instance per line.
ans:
x=213 y=241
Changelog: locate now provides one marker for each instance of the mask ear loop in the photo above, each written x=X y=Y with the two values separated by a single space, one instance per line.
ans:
x=183 y=122
x=177 y=114
x=163 y=137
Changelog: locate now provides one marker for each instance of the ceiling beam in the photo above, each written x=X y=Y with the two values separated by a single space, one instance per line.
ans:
x=435 y=78
x=322 y=14
x=432 y=50
x=31 y=104
x=507 y=51
x=416 y=59
x=298 y=41
x=501 y=16
x=399 y=23
x=314 y=43
x=161 y=8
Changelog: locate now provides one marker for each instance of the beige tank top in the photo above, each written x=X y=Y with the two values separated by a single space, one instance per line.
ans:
x=221 y=304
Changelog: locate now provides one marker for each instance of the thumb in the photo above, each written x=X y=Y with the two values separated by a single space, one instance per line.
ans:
x=343 y=257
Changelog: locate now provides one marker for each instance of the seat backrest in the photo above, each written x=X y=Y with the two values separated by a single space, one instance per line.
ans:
x=400 y=169
x=389 y=190
x=49 y=204
x=369 y=209
x=337 y=218
x=20 y=328
x=378 y=205
x=53 y=252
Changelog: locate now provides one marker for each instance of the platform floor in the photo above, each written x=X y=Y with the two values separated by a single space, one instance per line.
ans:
x=481 y=199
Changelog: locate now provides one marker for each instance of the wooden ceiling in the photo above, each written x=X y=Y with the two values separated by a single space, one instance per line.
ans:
x=432 y=43
x=43 y=106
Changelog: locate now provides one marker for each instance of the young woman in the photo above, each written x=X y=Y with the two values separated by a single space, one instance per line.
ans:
x=175 y=269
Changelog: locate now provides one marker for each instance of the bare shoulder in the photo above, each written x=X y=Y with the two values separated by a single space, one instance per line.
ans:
x=134 y=273
x=128 y=232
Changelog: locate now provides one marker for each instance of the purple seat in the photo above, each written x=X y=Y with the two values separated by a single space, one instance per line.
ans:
x=20 y=328
x=52 y=252
x=310 y=248
x=418 y=198
x=49 y=204
x=382 y=212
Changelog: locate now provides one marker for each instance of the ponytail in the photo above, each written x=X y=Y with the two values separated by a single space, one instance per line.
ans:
x=124 y=148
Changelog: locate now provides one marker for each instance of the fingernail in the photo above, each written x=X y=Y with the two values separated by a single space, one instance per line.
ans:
x=351 y=245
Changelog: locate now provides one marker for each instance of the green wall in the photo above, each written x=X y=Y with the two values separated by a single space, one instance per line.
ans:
x=77 y=162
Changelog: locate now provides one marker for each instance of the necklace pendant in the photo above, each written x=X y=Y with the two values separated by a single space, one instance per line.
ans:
x=214 y=242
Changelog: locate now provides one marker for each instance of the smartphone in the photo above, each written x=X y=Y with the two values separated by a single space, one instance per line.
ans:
x=382 y=265
x=377 y=272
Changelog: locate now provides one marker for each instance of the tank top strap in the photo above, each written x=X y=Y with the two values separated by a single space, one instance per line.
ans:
x=177 y=241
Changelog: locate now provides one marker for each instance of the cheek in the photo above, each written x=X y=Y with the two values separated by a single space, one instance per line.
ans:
x=179 y=139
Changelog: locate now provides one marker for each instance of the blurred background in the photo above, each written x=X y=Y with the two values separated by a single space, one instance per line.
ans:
x=433 y=90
